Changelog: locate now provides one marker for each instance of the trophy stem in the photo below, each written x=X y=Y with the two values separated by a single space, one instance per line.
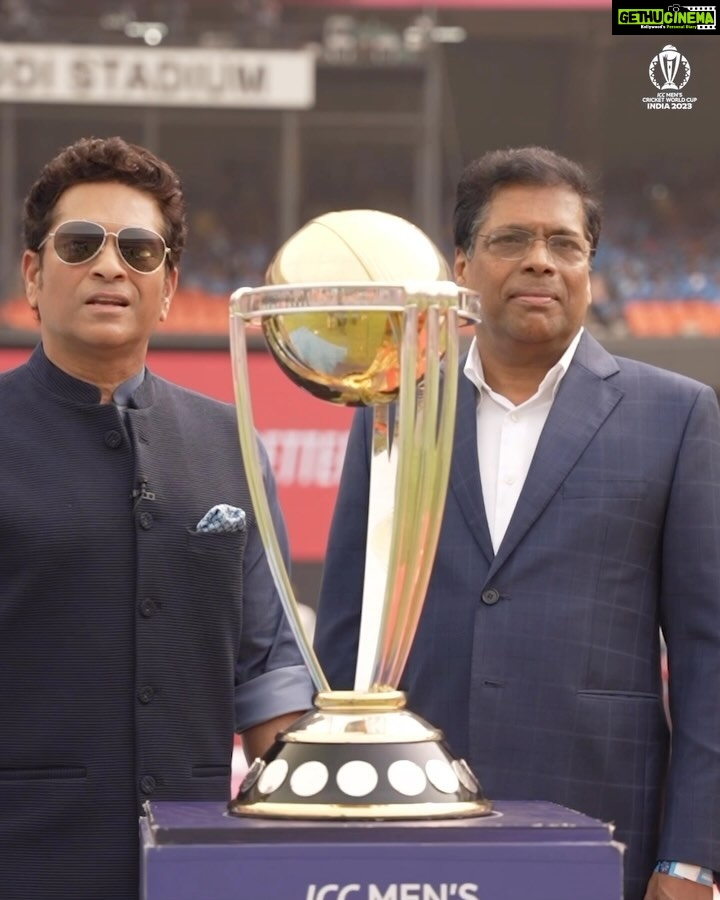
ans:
x=381 y=501
x=253 y=471
x=435 y=425
x=398 y=614
x=408 y=482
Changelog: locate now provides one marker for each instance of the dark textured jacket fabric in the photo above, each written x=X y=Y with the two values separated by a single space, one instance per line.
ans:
x=541 y=662
x=121 y=626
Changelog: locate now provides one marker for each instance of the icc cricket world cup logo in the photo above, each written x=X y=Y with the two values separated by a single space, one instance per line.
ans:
x=672 y=66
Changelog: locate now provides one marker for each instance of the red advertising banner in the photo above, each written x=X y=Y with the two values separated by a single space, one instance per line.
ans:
x=305 y=437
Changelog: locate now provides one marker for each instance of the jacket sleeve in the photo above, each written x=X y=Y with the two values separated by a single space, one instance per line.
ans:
x=270 y=677
x=690 y=617
x=339 y=608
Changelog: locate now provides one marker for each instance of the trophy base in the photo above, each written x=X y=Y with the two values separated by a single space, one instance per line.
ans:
x=360 y=756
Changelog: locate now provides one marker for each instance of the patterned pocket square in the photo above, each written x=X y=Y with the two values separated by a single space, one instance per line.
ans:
x=222 y=519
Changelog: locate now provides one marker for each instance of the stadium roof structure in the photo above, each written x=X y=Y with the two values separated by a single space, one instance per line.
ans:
x=267 y=23
x=500 y=5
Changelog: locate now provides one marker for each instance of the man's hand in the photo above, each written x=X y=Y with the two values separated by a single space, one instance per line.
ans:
x=668 y=887
x=259 y=738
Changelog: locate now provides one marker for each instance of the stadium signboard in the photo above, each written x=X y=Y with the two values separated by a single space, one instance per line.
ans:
x=154 y=76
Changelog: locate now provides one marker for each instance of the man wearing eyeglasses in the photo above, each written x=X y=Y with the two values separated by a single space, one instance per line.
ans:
x=583 y=515
x=139 y=625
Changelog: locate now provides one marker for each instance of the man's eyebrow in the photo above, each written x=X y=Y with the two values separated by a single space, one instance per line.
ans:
x=560 y=229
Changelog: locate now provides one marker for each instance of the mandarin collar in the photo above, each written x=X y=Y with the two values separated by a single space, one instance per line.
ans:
x=68 y=387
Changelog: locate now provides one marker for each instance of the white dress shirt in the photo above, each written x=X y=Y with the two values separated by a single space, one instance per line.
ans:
x=507 y=436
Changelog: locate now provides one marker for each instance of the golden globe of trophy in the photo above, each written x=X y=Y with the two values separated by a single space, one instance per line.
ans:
x=359 y=310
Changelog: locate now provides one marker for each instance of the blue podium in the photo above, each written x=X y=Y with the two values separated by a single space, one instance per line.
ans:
x=522 y=851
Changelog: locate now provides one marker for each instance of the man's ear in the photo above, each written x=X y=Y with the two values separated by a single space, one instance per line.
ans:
x=32 y=276
x=169 y=288
x=459 y=266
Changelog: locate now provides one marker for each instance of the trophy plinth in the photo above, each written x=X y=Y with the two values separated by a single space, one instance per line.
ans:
x=360 y=756
x=365 y=342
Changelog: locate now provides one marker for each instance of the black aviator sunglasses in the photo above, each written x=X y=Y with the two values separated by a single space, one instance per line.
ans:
x=78 y=241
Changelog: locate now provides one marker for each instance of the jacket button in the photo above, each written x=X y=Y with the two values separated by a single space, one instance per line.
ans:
x=148 y=784
x=490 y=597
x=112 y=439
x=146 y=693
x=146 y=521
x=148 y=608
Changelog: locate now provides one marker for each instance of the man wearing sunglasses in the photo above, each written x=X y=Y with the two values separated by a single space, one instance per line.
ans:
x=139 y=625
x=583 y=515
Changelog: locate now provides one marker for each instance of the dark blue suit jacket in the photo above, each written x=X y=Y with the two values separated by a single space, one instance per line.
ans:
x=554 y=691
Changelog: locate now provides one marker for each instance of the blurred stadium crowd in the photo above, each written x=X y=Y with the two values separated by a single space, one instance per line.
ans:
x=658 y=264
x=656 y=272
x=657 y=269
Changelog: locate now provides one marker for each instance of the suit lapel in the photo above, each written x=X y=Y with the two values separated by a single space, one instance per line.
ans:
x=464 y=469
x=583 y=402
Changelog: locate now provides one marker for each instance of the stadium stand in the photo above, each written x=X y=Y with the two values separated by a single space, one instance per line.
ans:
x=656 y=274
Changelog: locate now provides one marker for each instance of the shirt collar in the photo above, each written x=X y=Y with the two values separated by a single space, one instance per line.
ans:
x=473 y=369
x=123 y=392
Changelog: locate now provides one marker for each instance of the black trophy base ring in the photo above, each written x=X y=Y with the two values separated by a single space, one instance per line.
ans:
x=360 y=756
